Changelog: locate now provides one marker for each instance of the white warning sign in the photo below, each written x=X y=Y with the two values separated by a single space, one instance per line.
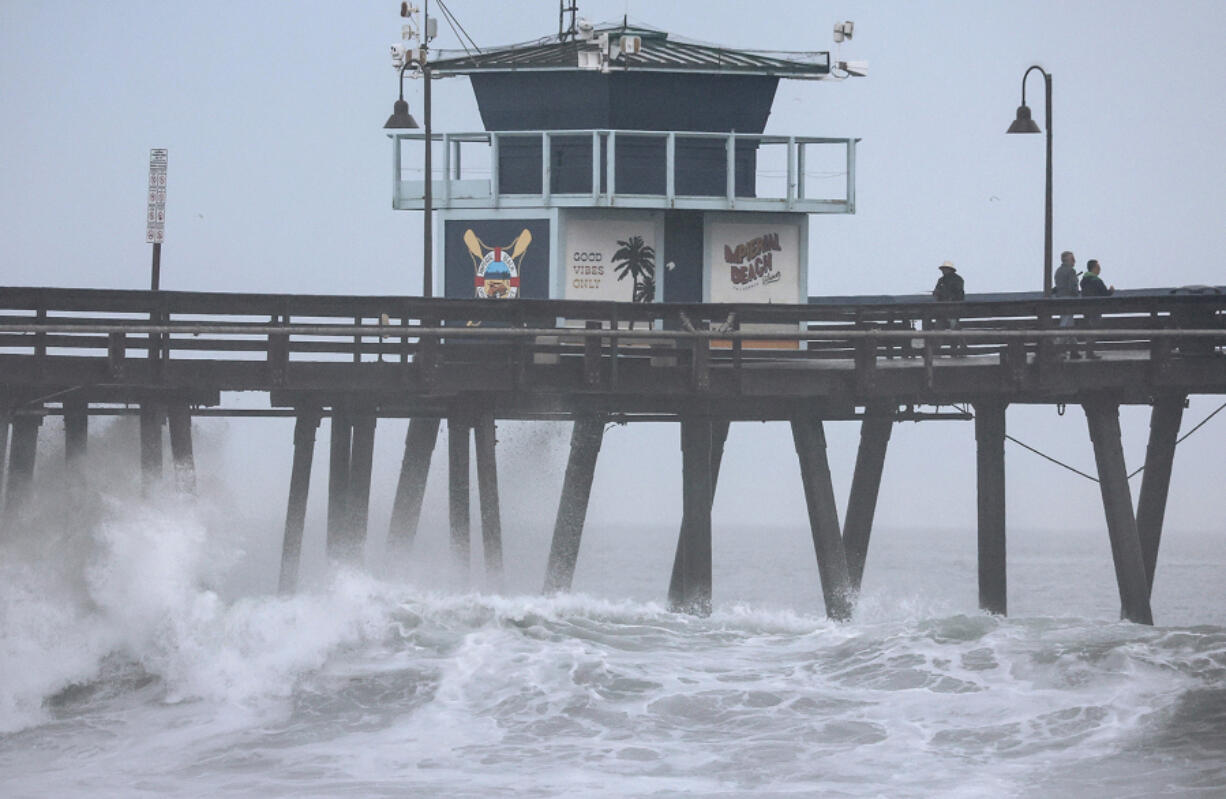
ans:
x=155 y=226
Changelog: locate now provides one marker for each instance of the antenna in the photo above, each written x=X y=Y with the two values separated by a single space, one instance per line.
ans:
x=567 y=32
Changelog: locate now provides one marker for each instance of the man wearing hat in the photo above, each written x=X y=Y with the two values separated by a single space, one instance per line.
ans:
x=950 y=288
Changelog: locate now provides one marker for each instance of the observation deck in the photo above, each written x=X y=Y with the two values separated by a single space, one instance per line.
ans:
x=631 y=169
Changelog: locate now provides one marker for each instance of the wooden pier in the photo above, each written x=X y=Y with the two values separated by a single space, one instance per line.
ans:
x=355 y=360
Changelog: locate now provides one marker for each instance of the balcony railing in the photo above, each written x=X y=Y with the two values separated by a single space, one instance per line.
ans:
x=626 y=169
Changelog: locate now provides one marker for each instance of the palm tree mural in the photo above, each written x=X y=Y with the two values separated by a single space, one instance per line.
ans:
x=638 y=260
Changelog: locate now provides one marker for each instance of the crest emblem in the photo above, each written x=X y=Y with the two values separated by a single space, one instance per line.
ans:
x=497 y=268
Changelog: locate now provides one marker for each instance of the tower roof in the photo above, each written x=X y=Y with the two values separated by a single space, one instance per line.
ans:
x=659 y=52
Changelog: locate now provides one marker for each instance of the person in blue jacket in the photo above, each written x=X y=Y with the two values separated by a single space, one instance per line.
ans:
x=1092 y=285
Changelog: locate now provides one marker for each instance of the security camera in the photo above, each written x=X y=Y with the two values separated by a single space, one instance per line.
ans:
x=857 y=68
x=843 y=30
x=398 y=54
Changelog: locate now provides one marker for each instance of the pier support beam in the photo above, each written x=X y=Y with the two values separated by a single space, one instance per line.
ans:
x=5 y=420
x=419 y=442
x=1164 y=423
x=485 y=438
x=22 y=454
x=693 y=590
x=459 y=493
x=338 y=480
x=150 y=445
x=990 y=470
x=76 y=435
x=1103 y=418
x=179 y=420
x=676 y=588
x=295 y=512
x=357 y=504
x=865 y=485
x=585 y=443
x=810 y=441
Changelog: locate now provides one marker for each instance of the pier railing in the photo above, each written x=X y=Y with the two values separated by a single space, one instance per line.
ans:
x=627 y=169
x=281 y=330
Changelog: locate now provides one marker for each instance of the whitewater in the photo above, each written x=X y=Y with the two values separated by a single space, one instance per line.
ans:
x=132 y=665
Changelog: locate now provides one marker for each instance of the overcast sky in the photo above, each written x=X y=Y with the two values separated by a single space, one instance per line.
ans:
x=279 y=180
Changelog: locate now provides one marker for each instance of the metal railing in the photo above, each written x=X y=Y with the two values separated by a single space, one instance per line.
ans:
x=755 y=171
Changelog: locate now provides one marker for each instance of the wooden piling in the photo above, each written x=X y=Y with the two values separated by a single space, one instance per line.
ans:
x=357 y=504
x=697 y=488
x=419 y=442
x=150 y=444
x=76 y=434
x=5 y=421
x=990 y=473
x=810 y=441
x=865 y=485
x=1164 y=423
x=1103 y=419
x=179 y=420
x=719 y=437
x=338 y=480
x=459 y=492
x=296 y=507
x=485 y=439
x=23 y=450
x=585 y=440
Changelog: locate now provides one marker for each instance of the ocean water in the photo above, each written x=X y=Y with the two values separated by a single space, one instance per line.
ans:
x=134 y=662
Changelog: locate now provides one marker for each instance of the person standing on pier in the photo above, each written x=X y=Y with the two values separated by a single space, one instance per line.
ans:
x=950 y=288
x=1066 y=286
x=1092 y=285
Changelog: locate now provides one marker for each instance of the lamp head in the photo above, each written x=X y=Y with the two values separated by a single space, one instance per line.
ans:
x=1023 y=123
x=400 y=118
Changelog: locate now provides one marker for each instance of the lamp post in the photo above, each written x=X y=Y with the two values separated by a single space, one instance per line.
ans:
x=1025 y=124
x=402 y=119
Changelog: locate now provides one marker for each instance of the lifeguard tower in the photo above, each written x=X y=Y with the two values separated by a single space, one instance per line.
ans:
x=621 y=163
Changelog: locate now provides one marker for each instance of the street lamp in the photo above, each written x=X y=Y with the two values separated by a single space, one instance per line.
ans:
x=1024 y=124
x=399 y=120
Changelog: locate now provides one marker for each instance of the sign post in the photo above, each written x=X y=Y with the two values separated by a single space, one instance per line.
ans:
x=155 y=229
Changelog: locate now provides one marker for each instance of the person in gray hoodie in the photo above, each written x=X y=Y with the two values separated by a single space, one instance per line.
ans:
x=1066 y=286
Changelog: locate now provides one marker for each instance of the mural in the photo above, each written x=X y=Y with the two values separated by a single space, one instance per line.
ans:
x=497 y=273
x=754 y=262
x=612 y=259
x=496 y=259
x=638 y=260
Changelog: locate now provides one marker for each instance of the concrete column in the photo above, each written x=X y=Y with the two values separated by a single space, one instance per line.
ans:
x=719 y=436
x=1164 y=423
x=459 y=492
x=990 y=461
x=338 y=481
x=295 y=512
x=151 y=413
x=357 y=504
x=1103 y=418
x=485 y=437
x=179 y=420
x=810 y=441
x=697 y=488
x=865 y=484
x=419 y=443
x=24 y=448
x=585 y=443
